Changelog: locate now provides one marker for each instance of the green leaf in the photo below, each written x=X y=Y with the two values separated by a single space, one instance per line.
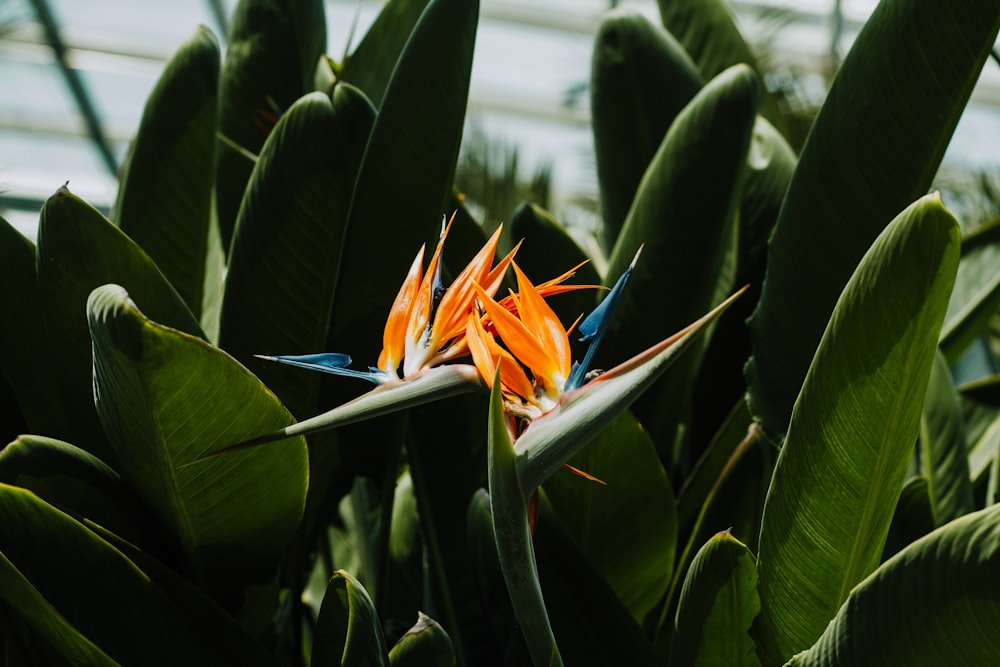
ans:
x=928 y=605
x=87 y=601
x=513 y=538
x=27 y=363
x=976 y=295
x=78 y=483
x=839 y=474
x=684 y=216
x=370 y=66
x=287 y=245
x=708 y=32
x=411 y=154
x=165 y=202
x=157 y=392
x=717 y=607
x=943 y=459
x=425 y=644
x=628 y=528
x=552 y=439
x=873 y=149
x=78 y=250
x=913 y=518
x=981 y=411
x=271 y=55
x=348 y=630
x=640 y=80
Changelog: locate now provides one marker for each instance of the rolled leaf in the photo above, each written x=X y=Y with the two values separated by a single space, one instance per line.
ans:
x=426 y=643
x=928 y=605
x=839 y=474
x=158 y=395
x=717 y=608
x=348 y=630
x=873 y=149
x=165 y=202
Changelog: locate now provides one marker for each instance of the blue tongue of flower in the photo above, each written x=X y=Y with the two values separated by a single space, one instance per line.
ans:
x=334 y=363
x=595 y=325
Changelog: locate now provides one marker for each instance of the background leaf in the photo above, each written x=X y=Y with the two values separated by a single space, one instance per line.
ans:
x=839 y=474
x=165 y=201
x=867 y=157
x=347 y=629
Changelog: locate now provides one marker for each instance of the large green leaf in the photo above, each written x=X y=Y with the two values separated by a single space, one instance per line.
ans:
x=405 y=177
x=943 y=459
x=873 y=149
x=370 y=66
x=78 y=250
x=159 y=398
x=640 y=80
x=271 y=55
x=285 y=255
x=934 y=603
x=348 y=631
x=628 y=528
x=717 y=607
x=839 y=474
x=26 y=363
x=684 y=216
x=86 y=600
x=165 y=202
x=708 y=32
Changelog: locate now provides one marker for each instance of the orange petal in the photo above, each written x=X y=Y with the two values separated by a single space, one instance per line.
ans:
x=394 y=336
x=486 y=355
x=458 y=300
x=538 y=317
x=421 y=313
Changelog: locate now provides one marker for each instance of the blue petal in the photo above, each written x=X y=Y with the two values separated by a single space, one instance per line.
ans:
x=334 y=363
x=595 y=325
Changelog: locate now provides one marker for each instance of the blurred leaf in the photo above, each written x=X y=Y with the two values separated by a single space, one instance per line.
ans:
x=943 y=459
x=513 y=538
x=411 y=154
x=981 y=411
x=552 y=439
x=78 y=250
x=27 y=362
x=87 y=601
x=165 y=201
x=708 y=32
x=627 y=529
x=348 y=631
x=370 y=66
x=976 y=296
x=717 y=607
x=426 y=644
x=873 y=149
x=839 y=474
x=925 y=606
x=640 y=80
x=158 y=396
x=271 y=55
x=287 y=244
